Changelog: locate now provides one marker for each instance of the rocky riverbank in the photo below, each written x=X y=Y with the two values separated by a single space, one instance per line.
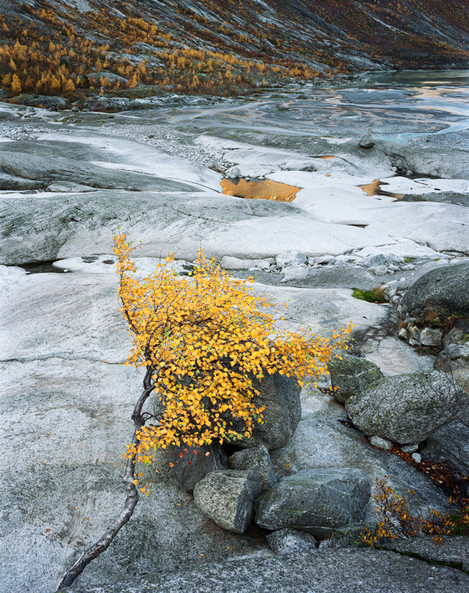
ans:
x=69 y=180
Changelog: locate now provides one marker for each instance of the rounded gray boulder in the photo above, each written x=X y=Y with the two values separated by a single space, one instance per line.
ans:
x=281 y=397
x=406 y=408
x=316 y=500
x=440 y=292
x=257 y=460
x=351 y=375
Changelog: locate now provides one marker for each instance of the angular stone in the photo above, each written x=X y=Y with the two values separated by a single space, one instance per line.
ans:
x=351 y=375
x=454 y=359
x=414 y=335
x=192 y=464
x=412 y=448
x=430 y=337
x=406 y=408
x=292 y=273
x=380 y=443
x=227 y=497
x=290 y=541
x=316 y=500
x=281 y=397
x=403 y=334
x=449 y=444
x=257 y=460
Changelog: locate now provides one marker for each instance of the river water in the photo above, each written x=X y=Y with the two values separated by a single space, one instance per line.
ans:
x=394 y=107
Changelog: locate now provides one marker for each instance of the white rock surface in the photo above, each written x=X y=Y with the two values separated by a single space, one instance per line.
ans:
x=69 y=411
x=235 y=263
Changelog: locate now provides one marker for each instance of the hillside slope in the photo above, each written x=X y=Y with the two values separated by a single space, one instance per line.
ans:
x=218 y=46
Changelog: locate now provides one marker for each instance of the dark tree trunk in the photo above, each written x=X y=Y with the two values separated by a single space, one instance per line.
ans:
x=130 y=502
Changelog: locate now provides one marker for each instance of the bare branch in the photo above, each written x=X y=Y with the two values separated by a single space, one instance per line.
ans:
x=104 y=542
x=130 y=502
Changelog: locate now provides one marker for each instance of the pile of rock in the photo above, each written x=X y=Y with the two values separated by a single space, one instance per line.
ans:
x=435 y=309
x=237 y=490
x=374 y=265
x=292 y=264
x=411 y=410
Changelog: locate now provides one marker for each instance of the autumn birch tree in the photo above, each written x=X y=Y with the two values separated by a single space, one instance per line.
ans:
x=204 y=342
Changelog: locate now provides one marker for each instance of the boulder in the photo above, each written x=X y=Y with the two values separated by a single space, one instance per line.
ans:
x=439 y=293
x=316 y=500
x=281 y=397
x=454 y=359
x=257 y=460
x=351 y=375
x=324 y=439
x=449 y=444
x=366 y=142
x=192 y=464
x=227 y=497
x=431 y=337
x=294 y=273
x=406 y=408
x=291 y=541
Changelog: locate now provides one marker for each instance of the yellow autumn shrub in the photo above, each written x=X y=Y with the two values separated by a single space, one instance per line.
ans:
x=206 y=340
x=397 y=520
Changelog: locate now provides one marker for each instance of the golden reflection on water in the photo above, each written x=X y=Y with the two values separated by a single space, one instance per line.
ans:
x=264 y=189
x=374 y=189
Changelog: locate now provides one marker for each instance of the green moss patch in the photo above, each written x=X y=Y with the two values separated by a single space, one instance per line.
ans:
x=375 y=295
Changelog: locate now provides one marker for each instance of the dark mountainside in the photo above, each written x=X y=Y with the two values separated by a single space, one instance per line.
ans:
x=69 y=47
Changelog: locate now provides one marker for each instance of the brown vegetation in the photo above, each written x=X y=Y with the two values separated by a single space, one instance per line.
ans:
x=47 y=55
x=224 y=48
